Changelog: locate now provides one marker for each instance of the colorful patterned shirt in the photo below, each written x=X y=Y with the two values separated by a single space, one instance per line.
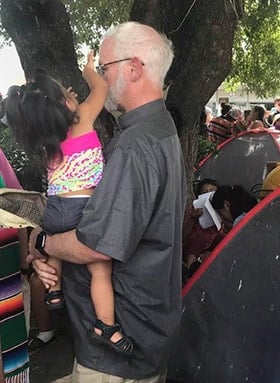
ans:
x=81 y=167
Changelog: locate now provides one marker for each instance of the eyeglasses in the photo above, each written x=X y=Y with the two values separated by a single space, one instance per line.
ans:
x=101 y=69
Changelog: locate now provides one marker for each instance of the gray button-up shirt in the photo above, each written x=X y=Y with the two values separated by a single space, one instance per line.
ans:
x=135 y=216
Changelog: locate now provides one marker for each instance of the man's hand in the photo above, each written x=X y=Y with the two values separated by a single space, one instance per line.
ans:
x=45 y=272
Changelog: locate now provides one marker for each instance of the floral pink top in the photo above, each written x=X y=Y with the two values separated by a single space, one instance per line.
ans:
x=81 y=167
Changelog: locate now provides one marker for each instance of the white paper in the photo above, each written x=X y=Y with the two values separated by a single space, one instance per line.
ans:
x=209 y=216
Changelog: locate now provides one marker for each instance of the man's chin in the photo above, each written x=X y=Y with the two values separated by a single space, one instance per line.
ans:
x=111 y=105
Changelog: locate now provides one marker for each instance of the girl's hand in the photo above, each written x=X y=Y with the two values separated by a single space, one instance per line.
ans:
x=90 y=61
x=70 y=90
x=45 y=272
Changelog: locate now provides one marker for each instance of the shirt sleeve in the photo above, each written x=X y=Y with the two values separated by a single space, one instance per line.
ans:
x=121 y=206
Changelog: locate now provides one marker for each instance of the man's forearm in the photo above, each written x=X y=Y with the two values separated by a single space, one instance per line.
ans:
x=67 y=247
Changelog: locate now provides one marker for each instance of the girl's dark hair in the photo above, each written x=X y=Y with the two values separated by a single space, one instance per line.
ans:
x=202 y=117
x=259 y=110
x=240 y=200
x=37 y=114
x=206 y=181
x=225 y=108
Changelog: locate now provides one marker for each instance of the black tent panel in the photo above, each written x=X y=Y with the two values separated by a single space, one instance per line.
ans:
x=230 y=330
x=241 y=160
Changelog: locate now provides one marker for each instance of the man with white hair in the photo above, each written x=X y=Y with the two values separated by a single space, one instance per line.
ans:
x=133 y=217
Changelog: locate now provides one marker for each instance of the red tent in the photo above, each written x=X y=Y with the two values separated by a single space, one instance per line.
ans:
x=242 y=159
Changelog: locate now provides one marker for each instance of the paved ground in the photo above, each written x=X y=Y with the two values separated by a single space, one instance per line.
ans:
x=53 y=363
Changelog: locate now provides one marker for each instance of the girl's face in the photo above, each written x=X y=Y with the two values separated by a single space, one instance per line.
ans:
x=206 y=188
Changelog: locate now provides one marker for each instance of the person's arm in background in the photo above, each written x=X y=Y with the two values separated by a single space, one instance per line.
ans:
x=23 y=248
x=8 y=173
x=10 y=181
x=2 y=377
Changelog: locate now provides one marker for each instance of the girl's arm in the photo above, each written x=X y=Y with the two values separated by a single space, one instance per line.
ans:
x=92 y=106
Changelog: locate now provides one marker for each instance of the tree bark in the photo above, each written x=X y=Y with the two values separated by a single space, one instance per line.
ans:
x=42 y=35
x=202 y=33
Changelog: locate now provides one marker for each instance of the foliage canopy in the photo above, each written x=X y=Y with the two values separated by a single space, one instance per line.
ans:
x=89 y=19
x=256 y=55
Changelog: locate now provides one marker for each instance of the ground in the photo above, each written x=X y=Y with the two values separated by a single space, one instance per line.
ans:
x=53 y=363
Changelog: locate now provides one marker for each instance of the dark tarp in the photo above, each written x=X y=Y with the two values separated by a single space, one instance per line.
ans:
x=230 y=330
x=242 y=159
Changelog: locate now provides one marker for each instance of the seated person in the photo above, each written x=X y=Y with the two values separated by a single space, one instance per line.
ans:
x=232 y=203
x=257 y=114
x=275 y=122
x=271 y=181
x=198 y=242
x=257 y=124
x=221 y=128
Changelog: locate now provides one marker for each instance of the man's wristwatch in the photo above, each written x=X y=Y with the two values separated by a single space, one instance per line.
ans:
x=40 y=243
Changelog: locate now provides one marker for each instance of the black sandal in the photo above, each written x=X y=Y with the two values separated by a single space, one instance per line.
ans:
x=123 y=346
x=56 y=294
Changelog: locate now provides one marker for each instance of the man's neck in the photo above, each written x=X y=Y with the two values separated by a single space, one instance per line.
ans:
x=138 y=96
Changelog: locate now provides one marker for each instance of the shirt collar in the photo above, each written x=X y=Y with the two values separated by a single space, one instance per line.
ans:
x=130 y=118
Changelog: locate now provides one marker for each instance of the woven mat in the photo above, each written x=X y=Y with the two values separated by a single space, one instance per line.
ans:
x=21 y=208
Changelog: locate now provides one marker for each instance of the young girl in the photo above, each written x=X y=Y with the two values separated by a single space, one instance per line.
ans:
x=50 y=124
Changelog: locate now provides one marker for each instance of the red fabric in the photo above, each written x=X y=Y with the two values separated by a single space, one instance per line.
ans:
x=8 y=236
x=201 y=240
x=219 y=130
x=197 y=240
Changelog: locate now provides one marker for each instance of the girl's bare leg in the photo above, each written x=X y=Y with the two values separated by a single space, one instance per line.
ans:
x=56 y=263
x=38 y=305
x=102 y=295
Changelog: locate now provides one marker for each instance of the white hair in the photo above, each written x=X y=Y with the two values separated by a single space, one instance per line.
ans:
x=132 y=39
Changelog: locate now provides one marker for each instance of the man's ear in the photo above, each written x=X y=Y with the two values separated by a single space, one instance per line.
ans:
x=135 y=68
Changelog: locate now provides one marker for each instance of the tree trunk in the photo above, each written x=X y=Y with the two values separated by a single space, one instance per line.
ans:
x=42 y=35
x=43 y=38
x=202 y=33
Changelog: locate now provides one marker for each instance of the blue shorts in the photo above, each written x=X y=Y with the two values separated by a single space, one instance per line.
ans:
x=63 y=213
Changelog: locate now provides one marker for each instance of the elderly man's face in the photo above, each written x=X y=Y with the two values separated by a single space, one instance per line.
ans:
x=113 y=76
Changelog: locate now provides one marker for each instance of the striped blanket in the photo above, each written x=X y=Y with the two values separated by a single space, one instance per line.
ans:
x=219 y=130
x=12 y=321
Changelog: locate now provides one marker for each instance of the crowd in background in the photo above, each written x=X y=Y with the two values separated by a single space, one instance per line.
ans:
x=233 y=121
